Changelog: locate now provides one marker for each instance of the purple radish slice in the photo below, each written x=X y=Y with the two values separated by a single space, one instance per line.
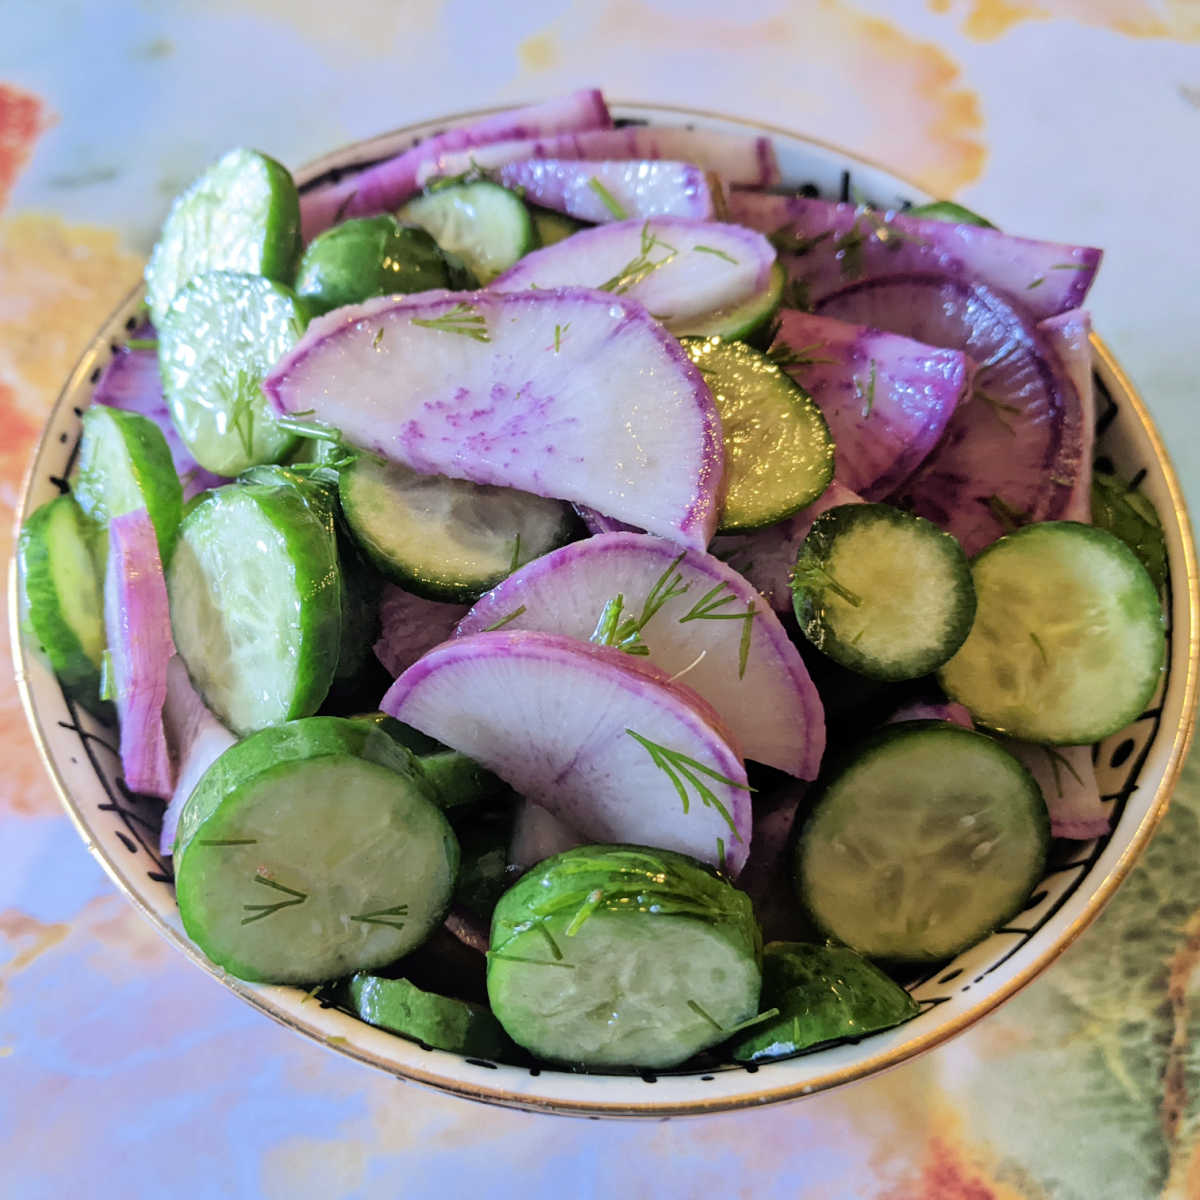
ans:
x=692 y=618
x=682 y=270
x=138 y=627
x=410 y=626
x=767 y=876
x=766 y=556
x=567 y=393
x=1011 y=454
x=388 y=184
x=738 y=159
x=131 y=382
x=826 y=246
x=612 y=191
x=604 y=741
x=956 y=714
x=537 y=834
x=1069 y=336
x=887 y=399
x=595 y=522
x=195 y=740
x=1067 y=778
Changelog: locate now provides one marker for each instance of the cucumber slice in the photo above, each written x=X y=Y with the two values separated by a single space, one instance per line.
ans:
x=311 y=850
x=446 y=539
x=743 y=321
x=778 y=452
x=1068 y=643
x=242 y=214
x=217 y=341
x=484 y=224
x=550 y=226
x=609 y=956
x=125 y=464
x=948 y=210
x=370 y=256
x=1126 y=513
x=882 y=592
x=439 y=1021
x=255 y=595
x=59 y=598
x=823 y=993
x=929 y=839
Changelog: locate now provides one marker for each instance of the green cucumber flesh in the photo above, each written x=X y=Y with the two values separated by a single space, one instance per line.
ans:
x=484 y=224
x=60 y=600
x=550 y=226
x=254 y=589
x=446 y=539
x=311 y=850
x=222 y=334
x=439 y=1021
x=125 y=464
x=882 y=592
x=242 y=214
x=931 y=837
x=778 y=451
x=744 y=321
x=948 y=210
x=1068 y=643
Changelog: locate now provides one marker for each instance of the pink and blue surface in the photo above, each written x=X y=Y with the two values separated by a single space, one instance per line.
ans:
x=126 y=1072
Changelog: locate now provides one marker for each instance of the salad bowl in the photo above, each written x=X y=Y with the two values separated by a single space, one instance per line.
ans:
x=1136 y=768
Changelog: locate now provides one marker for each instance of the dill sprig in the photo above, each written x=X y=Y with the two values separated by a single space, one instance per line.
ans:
x=464 y=319
x=783 y=355
x=866 y=395
x=394 y=917
x=512 y=616
x=641 y=265
x=1057 y=760
x=614 y=628
x=1010 y=517
x=258 y=911
x=700 y=249
x=608 y=199
x=810 y=574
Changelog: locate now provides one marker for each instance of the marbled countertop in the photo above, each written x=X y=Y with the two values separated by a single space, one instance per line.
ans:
x=126 y=1072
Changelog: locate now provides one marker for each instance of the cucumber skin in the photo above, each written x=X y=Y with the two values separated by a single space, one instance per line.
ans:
x=44 y=626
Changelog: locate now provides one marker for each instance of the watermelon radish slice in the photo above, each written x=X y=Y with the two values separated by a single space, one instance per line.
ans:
x=538 y=834
x=409 y=626
x=826 y=246
x=956 y=714
x=887 y=399
x=602 y=740
x=1069 y=335
x=612 y=191
x=1012 y=453
x=738 y=159
x=568 y=393
x=1067 y=778
x=766 y=556
x=681 y=269
x=698 y=630
x=388 y=184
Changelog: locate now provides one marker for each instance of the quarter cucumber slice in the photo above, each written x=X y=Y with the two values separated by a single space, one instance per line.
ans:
x=255 y=595
x=446 y=539
x=242 y=214
x=778 y=452
x=882 y=592
x=610 y=956
x=929 y=839
x=311 y=850
x=59 y=598
x=439 y=1021
x=484 y=224
x=1068 y=643
x=823 y=993
x=125 y=464
x=222 y=334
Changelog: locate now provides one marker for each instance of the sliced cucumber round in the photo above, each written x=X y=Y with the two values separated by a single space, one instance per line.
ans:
x=222 y=334
x=439 y=1021
x=369 y=256
x=255 y=595
x=1068 y=643
x=242 y=214
x=610 y=956
x=882 y=592
x=948 y=210
x=311 y=850
x=778 y=452
x=59 y=598
x=446 y=539
x=484 y=224
x=929 y=839
x=125 y=464
x=823 y=993
x=743 y=321
x=551 y=227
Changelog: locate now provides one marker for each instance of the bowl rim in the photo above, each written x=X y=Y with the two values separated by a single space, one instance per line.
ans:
x=357 y=155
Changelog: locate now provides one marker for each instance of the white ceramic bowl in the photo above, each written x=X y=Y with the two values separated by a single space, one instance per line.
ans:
x=1137 y=768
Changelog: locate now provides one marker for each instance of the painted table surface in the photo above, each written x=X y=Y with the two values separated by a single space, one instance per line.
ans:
x=124 y=1070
